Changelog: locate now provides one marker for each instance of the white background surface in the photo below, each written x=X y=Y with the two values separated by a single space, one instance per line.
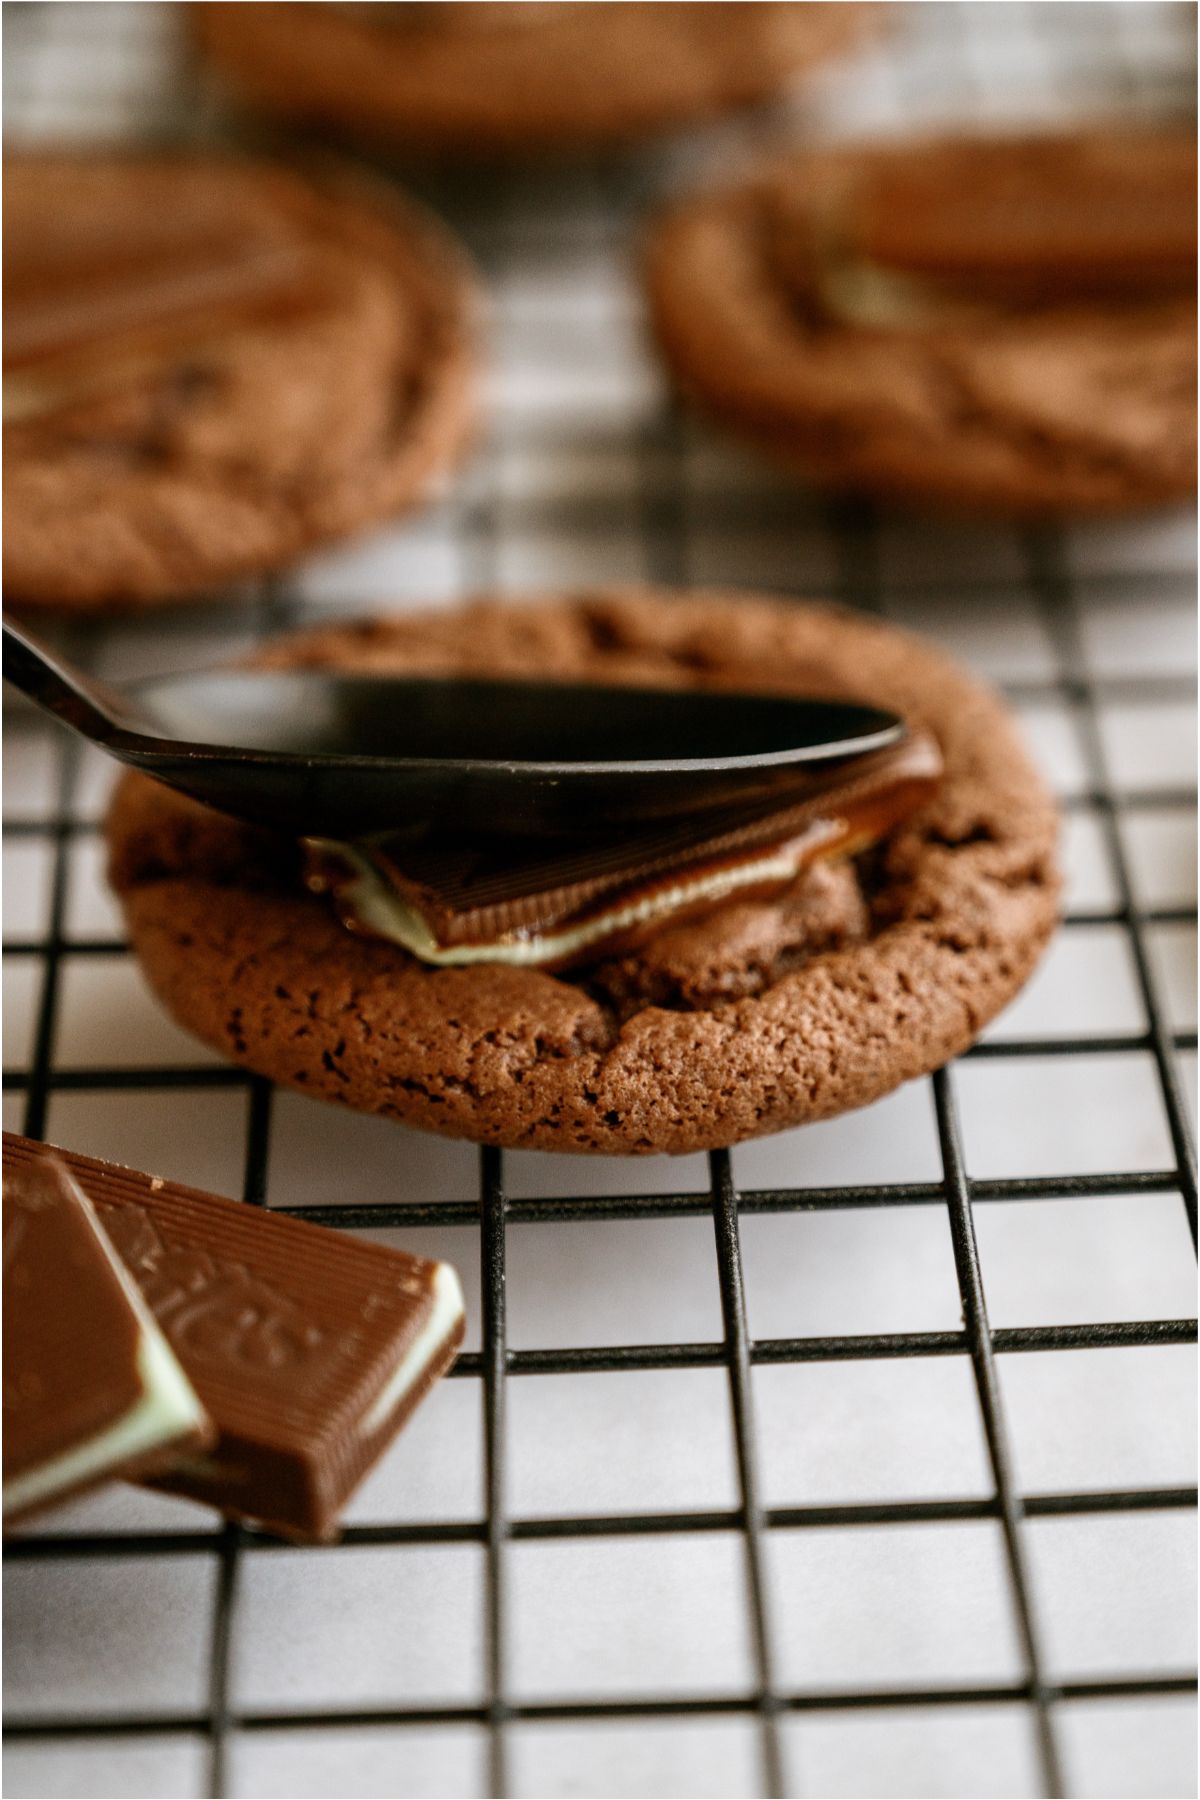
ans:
x=582 y=475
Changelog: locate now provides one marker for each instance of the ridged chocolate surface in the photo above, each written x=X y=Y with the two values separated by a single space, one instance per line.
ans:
x=287 y=1331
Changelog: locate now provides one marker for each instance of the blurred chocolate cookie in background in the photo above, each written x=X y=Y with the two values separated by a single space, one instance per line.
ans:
x=474 y=80
x=997 y=324
x=211 y=365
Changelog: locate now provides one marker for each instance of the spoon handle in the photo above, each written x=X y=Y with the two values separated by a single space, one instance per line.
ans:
x=89 y=707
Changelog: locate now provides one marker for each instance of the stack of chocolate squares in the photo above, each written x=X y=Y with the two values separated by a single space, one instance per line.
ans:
x=201 y=1346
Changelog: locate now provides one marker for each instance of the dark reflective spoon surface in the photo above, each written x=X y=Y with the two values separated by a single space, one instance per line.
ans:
x=335 y=755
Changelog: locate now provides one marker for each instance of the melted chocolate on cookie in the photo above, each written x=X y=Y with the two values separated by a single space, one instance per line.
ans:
x=922 y=241
x=86 y=310
x=452 y=900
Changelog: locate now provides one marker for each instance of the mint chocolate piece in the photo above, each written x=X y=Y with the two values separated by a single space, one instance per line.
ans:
x=308 y=1347
x=91 y=1388
x=460 y=898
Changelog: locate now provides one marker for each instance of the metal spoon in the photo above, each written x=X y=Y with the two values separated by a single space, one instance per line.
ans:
x=319 y=753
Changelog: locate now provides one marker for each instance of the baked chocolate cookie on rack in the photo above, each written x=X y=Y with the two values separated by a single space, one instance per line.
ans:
x=648 y=996
x=473 y=80
x=211 y=365
x=1005 y=324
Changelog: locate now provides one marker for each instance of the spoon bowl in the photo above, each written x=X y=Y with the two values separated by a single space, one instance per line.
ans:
x=327 y=754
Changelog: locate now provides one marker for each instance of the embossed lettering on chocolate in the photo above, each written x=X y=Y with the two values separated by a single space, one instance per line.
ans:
x=308 y=1347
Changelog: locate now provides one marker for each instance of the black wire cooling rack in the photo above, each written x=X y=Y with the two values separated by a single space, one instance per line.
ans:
x=496 y=1364
x=1048 y=581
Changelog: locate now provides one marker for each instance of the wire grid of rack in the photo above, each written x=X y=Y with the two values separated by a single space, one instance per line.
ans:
x=658 y=498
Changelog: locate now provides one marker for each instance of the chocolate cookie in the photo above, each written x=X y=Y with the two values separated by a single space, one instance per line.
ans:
x=1006 y=325
x=475 y=79
x=211 y=365
x=764 y=1014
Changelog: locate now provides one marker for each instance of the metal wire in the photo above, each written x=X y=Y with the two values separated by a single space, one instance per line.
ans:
x=737 y=1353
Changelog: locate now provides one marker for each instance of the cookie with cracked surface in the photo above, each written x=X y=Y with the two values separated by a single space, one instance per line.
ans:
x=766 y=1014
x=474 y=80
x=211 y=365
x=999 y=325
